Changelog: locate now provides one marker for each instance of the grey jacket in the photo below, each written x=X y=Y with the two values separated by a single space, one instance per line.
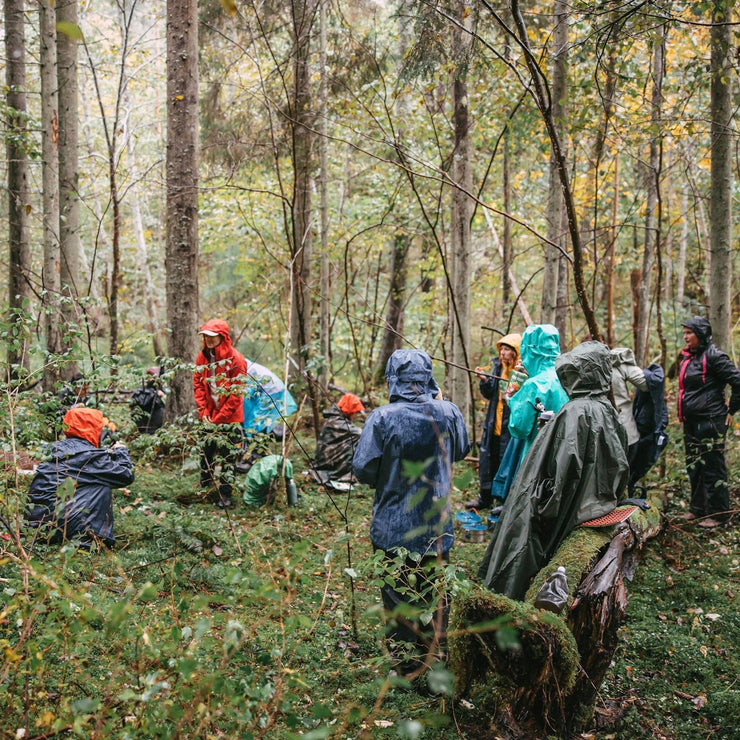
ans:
x=624 y=371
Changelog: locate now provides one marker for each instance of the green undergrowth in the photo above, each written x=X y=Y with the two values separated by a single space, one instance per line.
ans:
x=266 y=623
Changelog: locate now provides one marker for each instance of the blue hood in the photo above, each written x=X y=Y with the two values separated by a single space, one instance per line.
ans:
x=409 y=376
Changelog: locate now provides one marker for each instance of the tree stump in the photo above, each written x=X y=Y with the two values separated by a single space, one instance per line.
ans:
x=537 y=673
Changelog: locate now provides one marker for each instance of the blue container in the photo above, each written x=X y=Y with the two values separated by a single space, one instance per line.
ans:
x=467 y=517
x=475 y=532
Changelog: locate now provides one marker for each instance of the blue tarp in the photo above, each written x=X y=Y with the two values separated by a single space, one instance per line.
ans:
x=267 y=402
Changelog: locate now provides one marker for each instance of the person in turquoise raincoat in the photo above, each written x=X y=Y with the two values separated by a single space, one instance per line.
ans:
x=539 y=349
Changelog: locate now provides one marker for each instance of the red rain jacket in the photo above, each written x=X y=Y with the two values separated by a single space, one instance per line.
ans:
x=218 y=381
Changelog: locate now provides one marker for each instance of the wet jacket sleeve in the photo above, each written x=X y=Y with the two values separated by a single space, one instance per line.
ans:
x=727 y=372
x=200 y=386
x=369 y=452
x=635 y=375
x=487 y=388
x=522 y=414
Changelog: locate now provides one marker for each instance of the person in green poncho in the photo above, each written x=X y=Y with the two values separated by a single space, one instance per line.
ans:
x=575 y=471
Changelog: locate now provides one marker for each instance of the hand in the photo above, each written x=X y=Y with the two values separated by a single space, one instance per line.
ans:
x=728 y=421
x=480 y=372
x=117 y=446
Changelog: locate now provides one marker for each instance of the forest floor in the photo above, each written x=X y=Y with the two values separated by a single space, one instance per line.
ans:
x=266 y=623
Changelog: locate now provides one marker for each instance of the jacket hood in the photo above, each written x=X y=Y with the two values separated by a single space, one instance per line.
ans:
x=586 y=370
x=511 y=340
x=86 y=423
x=701 y=327
x=409 y=376
x=622 y=356
x=219 y=326
x=539 y=347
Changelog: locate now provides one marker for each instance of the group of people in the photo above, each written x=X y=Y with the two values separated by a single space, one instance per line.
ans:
x=563 y=438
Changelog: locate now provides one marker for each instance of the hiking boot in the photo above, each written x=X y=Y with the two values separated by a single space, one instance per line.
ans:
x=710 y=523
x=478 y=503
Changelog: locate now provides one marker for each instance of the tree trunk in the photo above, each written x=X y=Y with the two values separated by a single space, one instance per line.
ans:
x=72 y=280
x=459 y=386
x=19 y=206
x=393 y=329
x=325 y=282
x=301 y=125
x=142 y=250
x=181 y=259
x=652 y=176
x=720 y=202
x=555 y=205
x=50 y=275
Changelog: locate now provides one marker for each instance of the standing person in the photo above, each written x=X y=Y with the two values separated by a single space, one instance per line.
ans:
x=86 y=511
x=218 y=384
x=495 y=435
x=574 y=472
x=542 y=391
x=704 y=373
x=406 y=451
x=624 y=371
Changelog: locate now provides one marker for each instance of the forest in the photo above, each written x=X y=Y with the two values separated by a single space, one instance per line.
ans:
x=338 y=180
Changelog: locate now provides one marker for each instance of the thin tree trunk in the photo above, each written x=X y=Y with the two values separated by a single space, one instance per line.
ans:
x=142 y=249
x=459 y=386
x=652 y=175
x=72 y=279
x=182 y=197
x=720 y=203
x=50 y=274
x=19 y=206
x=325 y=282
x=555 y=205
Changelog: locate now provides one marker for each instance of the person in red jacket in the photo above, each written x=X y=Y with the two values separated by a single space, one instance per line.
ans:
x=218 y=384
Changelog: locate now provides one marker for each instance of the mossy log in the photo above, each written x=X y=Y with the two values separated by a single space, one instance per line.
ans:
x=535 y=673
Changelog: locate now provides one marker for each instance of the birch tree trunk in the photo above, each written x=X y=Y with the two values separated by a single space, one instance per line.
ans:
x=555 y=205
x=462 y=175
x=181 y=259
x=652 y=175
x=720 y=203
x=50 y=275
x=19 y=206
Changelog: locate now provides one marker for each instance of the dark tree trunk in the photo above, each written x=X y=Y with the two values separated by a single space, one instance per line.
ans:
x=182 y=198
x=19 y=249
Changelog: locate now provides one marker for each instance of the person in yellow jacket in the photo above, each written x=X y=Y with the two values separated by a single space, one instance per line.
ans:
x=495 y=428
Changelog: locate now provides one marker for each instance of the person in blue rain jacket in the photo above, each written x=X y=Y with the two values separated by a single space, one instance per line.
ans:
x=406 y=452
x=86 y=511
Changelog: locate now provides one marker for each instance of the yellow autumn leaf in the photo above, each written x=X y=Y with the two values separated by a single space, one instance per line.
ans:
x=229 y=6
x=703 y=650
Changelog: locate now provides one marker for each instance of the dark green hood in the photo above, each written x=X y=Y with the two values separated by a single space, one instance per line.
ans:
x=586 y=370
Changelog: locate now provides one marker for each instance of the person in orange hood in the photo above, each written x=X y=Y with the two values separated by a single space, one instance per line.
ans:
x=218 y=385
x=86 y=512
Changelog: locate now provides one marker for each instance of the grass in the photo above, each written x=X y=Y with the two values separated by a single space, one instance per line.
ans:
x=265 y=623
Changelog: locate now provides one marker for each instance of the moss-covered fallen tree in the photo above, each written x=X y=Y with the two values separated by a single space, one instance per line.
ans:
x=536 y=673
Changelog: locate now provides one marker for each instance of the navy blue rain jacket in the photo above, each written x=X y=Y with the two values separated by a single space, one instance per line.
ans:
x=411 y=507
x=94 y=471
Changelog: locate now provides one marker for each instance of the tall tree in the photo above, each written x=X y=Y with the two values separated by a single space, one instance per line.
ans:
x=462 y=208
x=720 y=201
x=181 y=259
x=551 y=287
x=19 y=249
x=50 y=187
x=72 y=281
x=652 y=181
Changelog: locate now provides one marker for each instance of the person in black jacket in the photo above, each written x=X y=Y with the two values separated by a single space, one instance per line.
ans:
x=71 y=492
x=704 y=373
x=495 y=436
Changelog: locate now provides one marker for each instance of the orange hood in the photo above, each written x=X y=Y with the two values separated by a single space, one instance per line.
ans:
x=86 y=424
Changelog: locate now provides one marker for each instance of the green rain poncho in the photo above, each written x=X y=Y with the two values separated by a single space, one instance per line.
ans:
x=574 y=472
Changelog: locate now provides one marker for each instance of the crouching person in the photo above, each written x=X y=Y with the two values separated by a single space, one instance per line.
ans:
x=406 y=451
x=71 y=493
